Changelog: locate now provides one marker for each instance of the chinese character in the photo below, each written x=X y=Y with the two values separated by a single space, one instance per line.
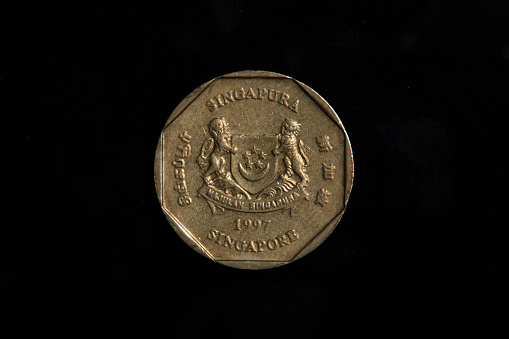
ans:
x=322 y=197
x=324 y=143
x=328 y=171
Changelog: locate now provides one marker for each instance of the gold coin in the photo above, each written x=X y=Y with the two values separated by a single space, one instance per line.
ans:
x=253 y=169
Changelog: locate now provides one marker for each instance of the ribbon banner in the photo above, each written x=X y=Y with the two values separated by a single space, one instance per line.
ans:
x=219 y=201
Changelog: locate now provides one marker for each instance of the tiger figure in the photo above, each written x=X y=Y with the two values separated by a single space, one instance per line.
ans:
x=295 y=159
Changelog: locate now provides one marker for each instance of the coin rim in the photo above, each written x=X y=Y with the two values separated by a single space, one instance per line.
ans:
x=187 y=236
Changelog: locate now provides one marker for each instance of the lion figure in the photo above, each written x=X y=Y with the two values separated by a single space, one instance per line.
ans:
x=212 y=156
x=295 y=159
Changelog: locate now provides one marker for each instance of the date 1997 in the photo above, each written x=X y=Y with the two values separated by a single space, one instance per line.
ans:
x=251 y=224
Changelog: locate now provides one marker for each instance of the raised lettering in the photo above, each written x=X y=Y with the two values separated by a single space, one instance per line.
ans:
x=185 y=137
x=328 y=171
x=251 y=247
x=179 y=162
x=282 y=240
x=261 y=93
x=240 y=245
x=284 y=98
x=213 y=234
x=273 y=94
x=180 y=174
x=250 y=94
x=211 y=104
x=239 y=94
x=271 y=244
x=228 y=97
x=295 y=106
x=220 y=100
x=323 y=142
x=229 y=241
x=292 y=235
x=180 y=187
x=185 y=150
x=225 y=240
x=184 y=200
x=218 y=240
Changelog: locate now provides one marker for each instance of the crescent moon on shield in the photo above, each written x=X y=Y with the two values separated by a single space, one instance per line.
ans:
x=256 y=176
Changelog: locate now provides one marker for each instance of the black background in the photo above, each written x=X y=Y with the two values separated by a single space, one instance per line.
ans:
x=421 y=88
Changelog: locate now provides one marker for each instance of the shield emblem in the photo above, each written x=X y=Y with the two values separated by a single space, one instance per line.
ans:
x=254 y=166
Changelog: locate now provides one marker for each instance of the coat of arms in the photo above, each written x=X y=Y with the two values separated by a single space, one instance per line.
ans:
x=253 y=173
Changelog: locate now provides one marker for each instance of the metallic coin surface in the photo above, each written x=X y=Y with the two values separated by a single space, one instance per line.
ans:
x=253 y=169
